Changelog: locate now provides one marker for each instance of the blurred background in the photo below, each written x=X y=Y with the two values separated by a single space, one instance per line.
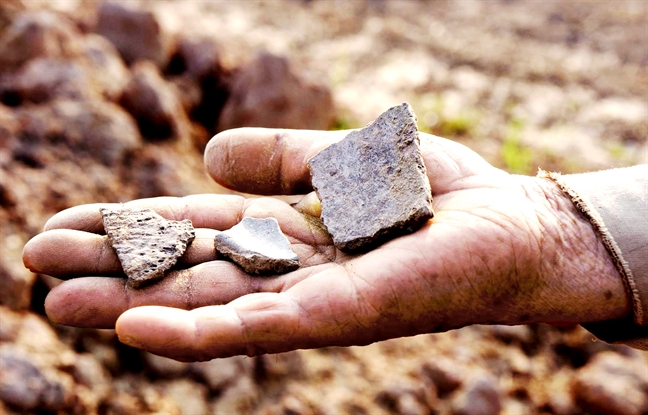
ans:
x=111 y=101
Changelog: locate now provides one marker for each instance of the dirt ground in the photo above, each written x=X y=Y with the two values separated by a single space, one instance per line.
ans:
x=527 y=84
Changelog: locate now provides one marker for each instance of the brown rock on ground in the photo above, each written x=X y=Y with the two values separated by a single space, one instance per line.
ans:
x=480 y=397
x=198 y=58
x=221 y=374
x=28 y=385
x=202 y=80
x=136 y=33
x=16 y=281
x=97 y=128
x=267 y=93
x=107 y=70
x=9 y=125
x=445 y=374
x=44 y=79
x=35 y=34
x=189 y=396
x=154 y=104
x=612 y=384
x=95 y=72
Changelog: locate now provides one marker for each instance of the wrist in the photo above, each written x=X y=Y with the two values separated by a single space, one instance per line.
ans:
x=580 y=281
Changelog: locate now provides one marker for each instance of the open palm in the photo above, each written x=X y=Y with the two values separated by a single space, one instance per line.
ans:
x=501 y=249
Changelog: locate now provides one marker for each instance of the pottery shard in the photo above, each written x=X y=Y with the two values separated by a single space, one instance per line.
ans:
x=147 y=244
x=258 y=246
x=373 y=184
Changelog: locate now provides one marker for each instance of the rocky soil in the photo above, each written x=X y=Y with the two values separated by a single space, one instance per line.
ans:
x=116 y=101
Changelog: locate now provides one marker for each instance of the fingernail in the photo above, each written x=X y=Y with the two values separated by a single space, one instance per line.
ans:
x=130 y=341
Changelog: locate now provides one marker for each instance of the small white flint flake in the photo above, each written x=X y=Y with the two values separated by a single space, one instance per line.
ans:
x=258 y=246
x=147 y=244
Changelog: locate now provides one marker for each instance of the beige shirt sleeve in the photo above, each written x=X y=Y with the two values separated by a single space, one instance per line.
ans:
x=616 y=201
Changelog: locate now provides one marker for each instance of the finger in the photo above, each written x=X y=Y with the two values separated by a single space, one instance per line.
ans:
x=309 y=205
x=205 y=211
x=452 y=166
x=222 y=331
x=271 y=161
x=98 y=301
x=325 y=309
x=266 y=161
x=68 y=253
x=366 y=299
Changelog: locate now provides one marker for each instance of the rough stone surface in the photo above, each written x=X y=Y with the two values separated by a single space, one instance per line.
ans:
x=221 y=374
x=444 y=374
x=44 y=79
x=199 y=57
x=480 y=397
x=373 y=184
x=96 y=72
x=9 y=125
x=612 y=384
x=189 y=396
x=107 y=70
x=16 y=281
x=100 y=129
x=154 y=104
x=258 y=246
x=405 y=399
x=203 y=82
x=147 y=244
x=27 y=384
x=136 y=33
x=288 y=100
x=38 y=33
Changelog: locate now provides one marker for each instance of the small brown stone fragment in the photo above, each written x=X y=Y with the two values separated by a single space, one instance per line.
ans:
x=373 y=184
x=258 y=246
x=147 y=244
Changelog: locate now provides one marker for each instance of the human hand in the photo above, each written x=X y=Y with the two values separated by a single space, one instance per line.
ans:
x=501 y=249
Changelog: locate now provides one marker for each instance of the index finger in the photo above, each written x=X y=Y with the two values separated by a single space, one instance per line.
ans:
x=268 y=161
x=199 y=208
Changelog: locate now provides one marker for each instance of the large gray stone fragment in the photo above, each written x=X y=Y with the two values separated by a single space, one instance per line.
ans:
x=147 y=244
x=258 y=246
x=373 y=184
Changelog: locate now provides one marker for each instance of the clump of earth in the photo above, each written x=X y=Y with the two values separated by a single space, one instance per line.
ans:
x=89 y=115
